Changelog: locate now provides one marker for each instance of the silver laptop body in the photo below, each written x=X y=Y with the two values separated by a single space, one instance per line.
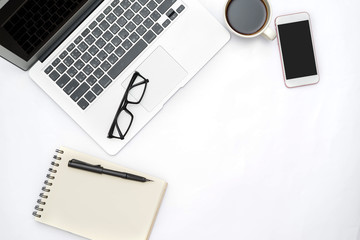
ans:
x=166 y=41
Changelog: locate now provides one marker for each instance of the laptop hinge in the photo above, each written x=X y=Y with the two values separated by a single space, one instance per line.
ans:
x=77 y=22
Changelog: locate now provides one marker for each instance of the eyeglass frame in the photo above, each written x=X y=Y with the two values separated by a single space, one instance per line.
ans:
x=123 y=106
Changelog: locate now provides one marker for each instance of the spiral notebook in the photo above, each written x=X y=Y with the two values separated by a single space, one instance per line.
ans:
x=98 y=206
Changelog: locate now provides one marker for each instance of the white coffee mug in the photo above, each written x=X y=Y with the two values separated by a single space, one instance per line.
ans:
x=265 y=30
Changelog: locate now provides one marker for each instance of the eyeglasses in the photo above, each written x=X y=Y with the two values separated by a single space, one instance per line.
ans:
x=133 y=95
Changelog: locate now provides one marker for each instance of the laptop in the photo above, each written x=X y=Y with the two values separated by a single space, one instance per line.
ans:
x=83 y=53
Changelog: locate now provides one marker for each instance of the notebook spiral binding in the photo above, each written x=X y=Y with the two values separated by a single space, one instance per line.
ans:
x=48 y=183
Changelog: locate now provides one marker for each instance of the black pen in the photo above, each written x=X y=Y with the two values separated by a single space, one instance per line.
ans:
x=74 y=163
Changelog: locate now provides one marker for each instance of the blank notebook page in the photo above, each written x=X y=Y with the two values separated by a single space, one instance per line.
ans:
x=99 y=206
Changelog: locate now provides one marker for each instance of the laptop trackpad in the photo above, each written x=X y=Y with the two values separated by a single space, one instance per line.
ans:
x=164 y=75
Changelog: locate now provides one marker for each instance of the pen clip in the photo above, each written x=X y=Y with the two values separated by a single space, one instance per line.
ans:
x=83 y=163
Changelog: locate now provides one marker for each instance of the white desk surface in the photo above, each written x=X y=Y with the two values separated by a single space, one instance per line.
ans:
x=245 y=157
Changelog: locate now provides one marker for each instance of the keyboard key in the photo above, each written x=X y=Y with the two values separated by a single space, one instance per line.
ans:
x=104 y=25
x=149 y=36
x=78 y=39
x=90 y=96
x=95 y=62
x=144 y=12
x=100 y=43
x=115 y=2
x=90 y=39
x=127 y=59
x=93 y=25
x=79 y=64
x=63 y=54
x=54 y=75
x=152 y=5
x=80 y=77
x=105 y=66
x=143 y=2
x=84 y=34
x=68 y=89
x=97 y=89
x=98 y=73
x=129 y=14
x=148 y=23
x=107 y=35
x=48 y=69
x=141 y=30
x=118 y=11
x=166 y=23
x=109 y=48
x=91 y=80
x=88 y=70
x=93 y=50
x=119 y=51
x=165 y=6
x=180 y=9
x=72 y=72
x=68 y=61
x=157 y=28
x=155 y=16
x=130 y=26
x=107 y=10
x=75 y=54
x=83 y=104
x=83 y=46
x=61 y=68
x=114 y=28
x=126 y=44
x=80 y=91
x=137 y=19
x=86 y=57
x=122 y=21
x=134 y=37
x=70 y=47
x=125 y=4
x=111 y=18
x=171 y=14
x=112 y=58
x=97 y=32
x=105 y=81
x=102 y=55
x=56 y=62
x=136 y=7
x=123 y=34
x=116 y=41
x=63 y=80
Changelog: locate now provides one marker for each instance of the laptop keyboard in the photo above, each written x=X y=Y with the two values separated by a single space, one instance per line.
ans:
x=108 y=45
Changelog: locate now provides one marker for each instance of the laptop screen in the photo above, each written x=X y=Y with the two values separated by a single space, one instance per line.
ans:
x=26 y=25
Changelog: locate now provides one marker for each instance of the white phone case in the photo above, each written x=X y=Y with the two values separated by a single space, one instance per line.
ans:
x=302 y=81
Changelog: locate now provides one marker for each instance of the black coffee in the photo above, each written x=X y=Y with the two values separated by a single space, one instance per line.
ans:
x=246 y=16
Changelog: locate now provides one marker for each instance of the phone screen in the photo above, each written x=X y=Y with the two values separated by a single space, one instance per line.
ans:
x=297 y=49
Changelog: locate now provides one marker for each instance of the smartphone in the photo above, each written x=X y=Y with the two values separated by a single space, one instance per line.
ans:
x=296 y=49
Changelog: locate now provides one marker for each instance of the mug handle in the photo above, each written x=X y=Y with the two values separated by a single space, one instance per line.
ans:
x=269 y=34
